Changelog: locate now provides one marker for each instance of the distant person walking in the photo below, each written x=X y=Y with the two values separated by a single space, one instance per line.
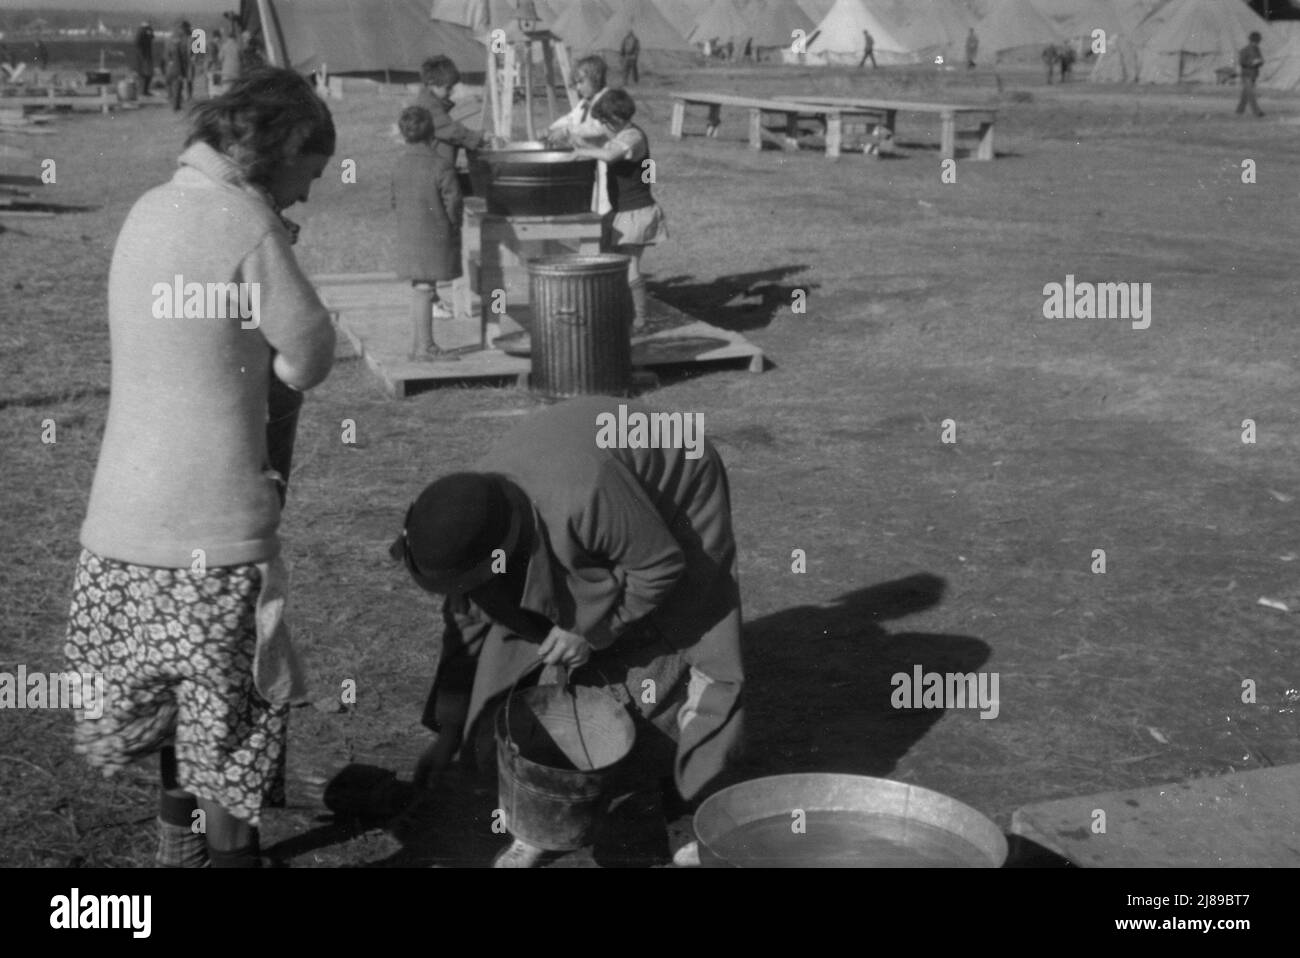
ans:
x=1065 y=56
x=629 y=52
x=176 y=65
x=144 y=56
x=1250 y=60
x=191 y=59
x=972 y=48
x=1050 y=54
x=868 y=50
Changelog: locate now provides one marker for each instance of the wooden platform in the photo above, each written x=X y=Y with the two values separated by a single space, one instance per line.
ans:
x=99 y=103
x=371 y=310
x=1248 y=819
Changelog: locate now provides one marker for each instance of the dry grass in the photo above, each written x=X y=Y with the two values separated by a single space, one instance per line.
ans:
x=924 y=305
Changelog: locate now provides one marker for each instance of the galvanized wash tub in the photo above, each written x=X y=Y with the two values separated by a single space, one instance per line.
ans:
x=823 y=820
x=530 y=182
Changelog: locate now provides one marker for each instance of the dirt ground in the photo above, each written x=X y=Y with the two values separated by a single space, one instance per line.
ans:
x=924 y=304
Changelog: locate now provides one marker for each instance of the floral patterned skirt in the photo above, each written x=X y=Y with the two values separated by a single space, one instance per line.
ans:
x=176 y=649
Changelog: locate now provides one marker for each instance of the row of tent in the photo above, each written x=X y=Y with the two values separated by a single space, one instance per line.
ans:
x=1188 y=41
x=1155 y=41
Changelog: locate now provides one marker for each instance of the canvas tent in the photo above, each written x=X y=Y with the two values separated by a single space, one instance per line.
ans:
x=1076 y=19
x=927 y=28
x=1282 y=69
x=722 y=20
x=481 y=15
x=774 y=22
x=1138 y=20
x=380 y=38
x=839 y=36
x=1199 y=37
x=652 y=29
x=816 y=9
x=1013 y=27
x=682 y=14
x=579 y=23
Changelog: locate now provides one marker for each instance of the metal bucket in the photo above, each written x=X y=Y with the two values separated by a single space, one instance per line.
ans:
x=845 y=821
x=127 y=91
x=522 y=182
x=556 y=752
x=582 y=314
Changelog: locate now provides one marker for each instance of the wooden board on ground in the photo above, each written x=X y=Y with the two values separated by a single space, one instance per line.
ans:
x=1247 y=819
x=371 y=310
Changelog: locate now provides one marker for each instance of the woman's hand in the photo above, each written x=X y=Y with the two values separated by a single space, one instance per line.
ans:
x=564 y=648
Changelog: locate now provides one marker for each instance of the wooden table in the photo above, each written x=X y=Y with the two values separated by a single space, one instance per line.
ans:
x=495 y=251
x=832 y=114
x=949 y=113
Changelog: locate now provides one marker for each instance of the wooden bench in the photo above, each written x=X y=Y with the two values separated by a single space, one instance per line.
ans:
x=832 y=115
x=949 y=113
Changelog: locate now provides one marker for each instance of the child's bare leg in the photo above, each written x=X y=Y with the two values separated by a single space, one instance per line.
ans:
x=232 y=842
x=635 y=282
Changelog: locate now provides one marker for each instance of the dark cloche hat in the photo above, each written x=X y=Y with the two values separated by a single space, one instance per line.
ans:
x=452 y=530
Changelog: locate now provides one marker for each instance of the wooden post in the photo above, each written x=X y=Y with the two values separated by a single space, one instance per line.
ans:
x=566 y=71
x=755 y=128
x=948 y=135
x=494 y=94
x=549 y=61
x=679 y=118
x=834 y=134
x=526 y=57
x=507 y=93
x=986 y=141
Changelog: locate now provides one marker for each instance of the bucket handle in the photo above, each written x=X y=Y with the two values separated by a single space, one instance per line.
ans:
x=566 y=676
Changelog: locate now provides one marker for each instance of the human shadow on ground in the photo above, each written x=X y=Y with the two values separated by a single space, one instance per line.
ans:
x=817 y=698
x=762 y=294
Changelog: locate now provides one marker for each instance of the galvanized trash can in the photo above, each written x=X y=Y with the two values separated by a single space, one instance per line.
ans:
x=582 y=317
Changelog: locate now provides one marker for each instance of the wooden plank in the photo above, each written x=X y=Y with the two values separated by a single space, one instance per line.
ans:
x=506 y=92
x=373 y=317
x=679 y=118
x=834 y=135
x=1246 y=819
x=566 y=73
x=494 y=97
x=915 y=106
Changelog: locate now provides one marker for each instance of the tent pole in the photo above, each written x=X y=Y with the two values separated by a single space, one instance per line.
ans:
x=276 y=52
x=526 y=49
x=550 y=79
x=494 y=92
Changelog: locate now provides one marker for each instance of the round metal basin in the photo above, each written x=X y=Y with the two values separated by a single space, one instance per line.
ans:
x=523 y=182
x=822 y=820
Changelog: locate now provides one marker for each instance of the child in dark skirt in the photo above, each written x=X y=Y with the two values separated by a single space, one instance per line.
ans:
x=636 y=220
x=426 y=195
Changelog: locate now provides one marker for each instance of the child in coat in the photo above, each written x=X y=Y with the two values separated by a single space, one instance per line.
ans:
x=636 y=221
x=427 y=197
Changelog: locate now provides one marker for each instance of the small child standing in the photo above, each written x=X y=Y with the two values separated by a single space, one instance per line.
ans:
x=427 y=197
x=636 y=221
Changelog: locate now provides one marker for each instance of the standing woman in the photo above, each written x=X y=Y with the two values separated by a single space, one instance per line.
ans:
x=180 y=586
